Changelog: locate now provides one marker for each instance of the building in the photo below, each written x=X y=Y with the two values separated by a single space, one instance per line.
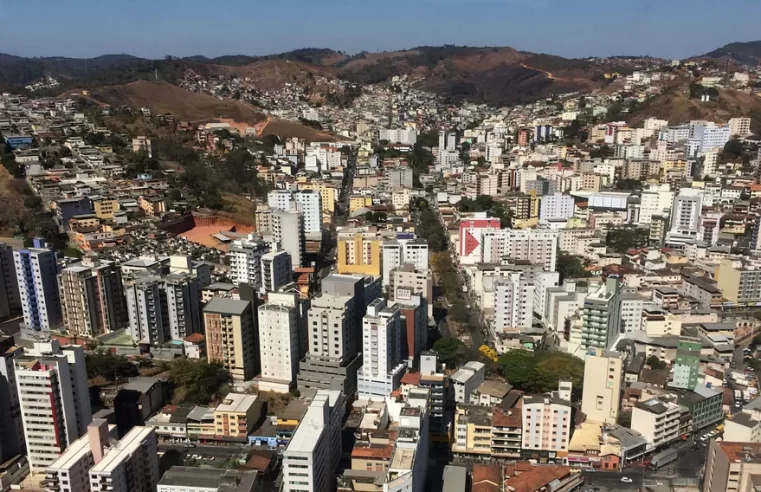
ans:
x=92 y=299
x=631 y=312
x=236 y=416
x=470 y=247
x=414 y=319
x=359 y=255
x=466 y=380
x=744 y=426
x=11 y=424
x=732 y=466
x=232 y=337
x=407 y=136
x=601 y=315
x=131 y=465
x=162 y=308
x=277 y=270
x=279 y=342
x=547 y=425
x=310 y=203
x=246 y=260
x=71 y=472
x=739 y=127
x=403 y=251
x=142 y=144
x=603 y=385
x=657 y=420
x=556 y=206
x=382 y=361
x=513 y=303
x=739 y=282
x=191 y=479
x=406 y=282
x=532 y=245
x=685 y=214
x=58 y=416
x=10 y=300
x=288 y=231
x=36 y=274
x=312 y=456
x=687 y=363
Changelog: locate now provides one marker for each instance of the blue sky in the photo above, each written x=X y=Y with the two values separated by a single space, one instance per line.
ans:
x=573 y=28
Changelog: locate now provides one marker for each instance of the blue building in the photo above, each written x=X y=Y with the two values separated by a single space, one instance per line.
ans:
x=18 y=141
x=69 y=207
x=37 y=276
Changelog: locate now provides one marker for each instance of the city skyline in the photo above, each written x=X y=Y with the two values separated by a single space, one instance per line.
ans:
x=548 y=26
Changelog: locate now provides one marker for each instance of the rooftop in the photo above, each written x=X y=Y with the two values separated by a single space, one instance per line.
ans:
x=236 y=403
x=123 y=450
x=226 y=306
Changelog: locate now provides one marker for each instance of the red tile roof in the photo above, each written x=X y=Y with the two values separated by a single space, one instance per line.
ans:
x=536 y=478
x=411 y=378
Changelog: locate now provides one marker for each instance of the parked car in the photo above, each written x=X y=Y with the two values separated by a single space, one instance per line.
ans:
x=626 y=480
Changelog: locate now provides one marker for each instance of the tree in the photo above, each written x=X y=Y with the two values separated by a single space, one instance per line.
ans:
x=554 y=366
x=450 y=351
x=569 y=266
x=109 y=366
x=628 y=184
x=601 y=152
x=624 y=238
x=733 y=149
x=519 y=368
x=655 y=363
x=198 y=382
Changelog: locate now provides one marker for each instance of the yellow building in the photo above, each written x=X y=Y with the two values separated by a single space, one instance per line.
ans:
x=83 y=222
x=473 y=430
x=675 y=169
x=359 y=255
x=236 y=416
x=328 y=193
x=105 y=207
x=359 y=201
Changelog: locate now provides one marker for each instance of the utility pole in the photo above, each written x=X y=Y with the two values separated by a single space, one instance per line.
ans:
x=726 y=70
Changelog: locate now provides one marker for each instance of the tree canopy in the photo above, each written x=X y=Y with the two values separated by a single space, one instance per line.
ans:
x=541 y=371
x=109 y=366
x=623 y=238
x=450 y=351
x=569 y=266
x=198 y=381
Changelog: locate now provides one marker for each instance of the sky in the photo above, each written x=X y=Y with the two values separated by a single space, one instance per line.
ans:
x=571 y=28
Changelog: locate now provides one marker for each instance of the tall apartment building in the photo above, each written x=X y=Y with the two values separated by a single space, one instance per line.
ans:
x=11 y=425
x=132 y=465
x=328 y=194
x=309 y=204
x=601 y=315
x=246 y=260
x=54 y=398
x=738 y=281
x=92 y=298
x=732 y=466
x=288 y=231
x=687 y=363
x=533 y=245
x=162 y=308
x=359 y=255
x=556 y=206
x=36 y=274
x=232 y=337
x=399 y=177
x=631 y=312
x=312 y=456
x=402 y=252
x=97 y=462
x=685 y=214
x=513 y=303
x=277 y=270
x=547 y=424
x=279 y=342
x=603 y=385
x=10 y=301
x=382 y=362
x=657 y=420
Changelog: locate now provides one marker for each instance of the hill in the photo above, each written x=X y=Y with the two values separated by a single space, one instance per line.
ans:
x=745 y=53
x=675 y=105
x=162 y=97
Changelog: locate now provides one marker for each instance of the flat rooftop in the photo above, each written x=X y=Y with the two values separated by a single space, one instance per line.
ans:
x=187 y=476
x=123 y=449
x=236 y=403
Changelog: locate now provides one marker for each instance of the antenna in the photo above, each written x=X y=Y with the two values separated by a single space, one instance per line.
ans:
x=726 y=70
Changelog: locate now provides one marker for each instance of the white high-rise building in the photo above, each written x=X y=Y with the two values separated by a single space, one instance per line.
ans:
x=36 y=274
x=95 y=460
x=556 y=206
x=277 y=270
x=685 y=214
x=246 y=260
x=288 y=231
x=739 y=127
x=513 y=303
x=312 y=456
x=54 y=398
x=547 y=421
x=407 y=136
x=654 y=202
x=382 y=365
x=131 y=465
x=542 y=282
x=310 y=202
x=280 y=199
x=278 y=342
x=631 y=312
x=533 y=245
x=402 y=252
x=332 y=332
x=603 y=385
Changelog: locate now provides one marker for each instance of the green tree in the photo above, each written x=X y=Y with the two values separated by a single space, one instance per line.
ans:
x=450 y=351
x=601 y=152
x=519 y=368
x=655 y=363
x=733 y=149
x=622 y=239
x=198 y=381
x=554 y=366
x=569 y=266
x=109 y=366
x=628 y=184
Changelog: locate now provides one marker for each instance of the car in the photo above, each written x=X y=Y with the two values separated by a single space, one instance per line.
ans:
x=626 y=480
